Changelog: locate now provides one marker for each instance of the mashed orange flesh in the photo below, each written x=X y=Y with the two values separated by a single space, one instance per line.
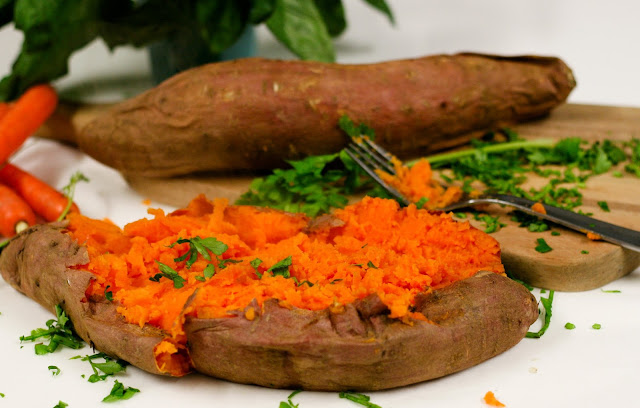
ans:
x=416 y=183
x=369 y=247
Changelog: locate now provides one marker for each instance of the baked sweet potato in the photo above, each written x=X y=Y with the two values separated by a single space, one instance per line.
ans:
x=256 y=113
x=391 y=334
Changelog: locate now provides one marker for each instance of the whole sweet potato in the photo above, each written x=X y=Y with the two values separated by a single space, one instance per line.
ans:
x=256 y=113
x=354 y=347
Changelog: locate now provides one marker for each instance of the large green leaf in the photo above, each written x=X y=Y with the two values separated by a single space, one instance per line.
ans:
x=261 y=10
x=123 y=23
x=382 y=6
x=53 y=30
x=6 y=11
x=332 y=13
x=222 y=22
x=299 y=26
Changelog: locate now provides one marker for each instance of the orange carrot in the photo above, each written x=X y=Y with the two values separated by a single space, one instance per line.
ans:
x=15 y=213
x=42 y=198
x=4 y=109
x=490 y=399
x=28 y=113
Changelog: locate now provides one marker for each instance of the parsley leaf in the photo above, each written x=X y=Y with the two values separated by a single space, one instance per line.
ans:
x=58 y=332
x=358 y=398
x=60 y=404
x=108 y=366
x=547 y=304
x=120 y=392
x=542 y=246
x=169 y=273
x=281 y=268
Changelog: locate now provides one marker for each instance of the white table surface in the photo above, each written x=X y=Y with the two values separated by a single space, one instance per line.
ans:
x=565 y=368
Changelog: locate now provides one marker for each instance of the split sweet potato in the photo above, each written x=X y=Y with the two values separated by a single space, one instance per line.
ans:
x=270 y=341
x=256 y=113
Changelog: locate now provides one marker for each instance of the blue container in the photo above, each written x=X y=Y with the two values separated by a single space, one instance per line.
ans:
x=182 y=52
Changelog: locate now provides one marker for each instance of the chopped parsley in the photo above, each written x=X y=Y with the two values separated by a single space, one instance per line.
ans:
x=569 y=326
x=105 y=368
x=281 y=268
x=584 y=252
x=358 y=398
x=61 y=404
x=120 y=392
x=610 y=291
x=58 y=332
x=108 y=294
x=169 y=273
x=596 y=326
x=547 y=304
x=542 y=246
x=604 y=206
x=289 y=403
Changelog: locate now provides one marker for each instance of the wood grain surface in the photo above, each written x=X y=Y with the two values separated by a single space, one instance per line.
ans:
x=576 y=263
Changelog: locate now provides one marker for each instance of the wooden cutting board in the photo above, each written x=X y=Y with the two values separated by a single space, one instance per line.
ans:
x=576 y=263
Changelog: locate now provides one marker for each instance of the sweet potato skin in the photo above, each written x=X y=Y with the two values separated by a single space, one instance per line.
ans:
x=38 y=263
x=256 y=113
x=356 y=347
x=360 y=348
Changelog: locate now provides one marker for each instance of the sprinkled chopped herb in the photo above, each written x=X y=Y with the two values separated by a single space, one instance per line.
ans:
x=289 y=403
x=604 y=206
x=281 y=268
x=610 y=291
x=371 y=265
x=542 y=246
x=168 y=272
x=422 y=202
x=58 y=332
x=555 y=233
x=358 y=398
x=54 y=370
x=596 y=326
x=61 y=404
x=108 y=366
x=460 y=215
x=1 y=395
x=108 y=294
x=569 y=326
x=584 y=251
x=547 y=304
x=120 y=392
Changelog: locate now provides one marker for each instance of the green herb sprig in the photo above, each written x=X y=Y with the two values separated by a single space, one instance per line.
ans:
x=58 y=333
x=358 y=398
x=103 y=369
x=69 y=191
x=547 y=304
x=119 y=392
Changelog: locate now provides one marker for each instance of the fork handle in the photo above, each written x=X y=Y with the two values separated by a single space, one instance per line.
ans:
x=616 y=234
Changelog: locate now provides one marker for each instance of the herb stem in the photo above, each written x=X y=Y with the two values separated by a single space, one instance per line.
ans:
x=495 y=148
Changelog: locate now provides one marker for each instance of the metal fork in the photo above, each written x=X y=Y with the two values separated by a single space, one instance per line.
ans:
x=371 y=157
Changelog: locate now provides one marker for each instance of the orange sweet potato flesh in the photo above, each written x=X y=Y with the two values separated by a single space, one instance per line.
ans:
x=255 y=113
x=357 y=347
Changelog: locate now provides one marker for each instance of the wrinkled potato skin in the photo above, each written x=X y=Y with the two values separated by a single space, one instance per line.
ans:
x=37 y=263
x=361 y=348
x=256 y=113
x=353 y=348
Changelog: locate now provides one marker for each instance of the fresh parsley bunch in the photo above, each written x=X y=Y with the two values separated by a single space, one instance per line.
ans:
x=54 y=29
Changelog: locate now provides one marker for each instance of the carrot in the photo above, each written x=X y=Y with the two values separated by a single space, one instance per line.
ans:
x=4 y=109
x=42 y=198
x=28 y=113
x=15 y=213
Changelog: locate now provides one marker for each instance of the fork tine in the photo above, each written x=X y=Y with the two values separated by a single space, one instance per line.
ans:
x=362 y=157
x=374 y=155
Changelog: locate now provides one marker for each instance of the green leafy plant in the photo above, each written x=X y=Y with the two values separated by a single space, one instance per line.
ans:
x=55 y=29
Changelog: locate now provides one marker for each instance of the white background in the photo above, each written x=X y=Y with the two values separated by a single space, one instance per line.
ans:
x=583 y=367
